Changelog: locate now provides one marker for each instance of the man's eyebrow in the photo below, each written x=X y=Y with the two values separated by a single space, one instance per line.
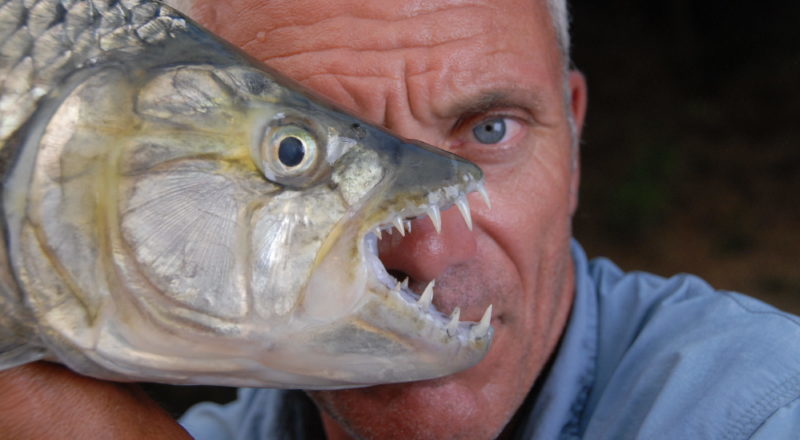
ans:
x=526 y=100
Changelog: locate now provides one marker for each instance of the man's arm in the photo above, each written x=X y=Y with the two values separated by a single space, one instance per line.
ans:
x=45 y=400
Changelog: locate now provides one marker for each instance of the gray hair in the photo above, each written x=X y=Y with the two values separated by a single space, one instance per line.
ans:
x=560 y=15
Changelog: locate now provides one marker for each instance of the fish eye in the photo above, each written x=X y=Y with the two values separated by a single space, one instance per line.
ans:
x=289 y=155
x=490 y=131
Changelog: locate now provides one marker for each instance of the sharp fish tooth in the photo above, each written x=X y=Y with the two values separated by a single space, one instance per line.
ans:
x=453 y=324
x=426 y=298
x=397 y=287
x=398 y=223
x=481 y=329
x=408 y=225
x=463 y=207
x=378 y=233
x=482 y=191
x=436 y=217
x=405 y=283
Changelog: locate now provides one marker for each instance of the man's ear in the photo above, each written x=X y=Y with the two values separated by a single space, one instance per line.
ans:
x=578 y=92
x=578 y=102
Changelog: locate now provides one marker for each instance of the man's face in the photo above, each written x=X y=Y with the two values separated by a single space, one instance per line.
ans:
x=482 y=79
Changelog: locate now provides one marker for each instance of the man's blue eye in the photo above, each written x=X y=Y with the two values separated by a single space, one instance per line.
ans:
x=491 y=131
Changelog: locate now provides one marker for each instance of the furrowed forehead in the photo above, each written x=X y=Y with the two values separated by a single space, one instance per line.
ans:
x=445 y=54
x=558 y=9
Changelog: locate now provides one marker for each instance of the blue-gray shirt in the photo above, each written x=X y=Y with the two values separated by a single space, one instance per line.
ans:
x=643 y=357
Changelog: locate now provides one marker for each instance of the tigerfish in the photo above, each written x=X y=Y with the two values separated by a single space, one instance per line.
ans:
x=174 y=211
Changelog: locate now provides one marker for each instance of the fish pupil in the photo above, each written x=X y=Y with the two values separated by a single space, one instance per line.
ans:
x=291 y=151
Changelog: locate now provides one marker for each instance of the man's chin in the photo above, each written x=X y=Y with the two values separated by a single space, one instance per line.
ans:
x=422 y=409
x=412 y=409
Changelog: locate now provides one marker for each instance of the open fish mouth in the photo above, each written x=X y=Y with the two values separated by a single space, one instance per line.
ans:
x=400 y=221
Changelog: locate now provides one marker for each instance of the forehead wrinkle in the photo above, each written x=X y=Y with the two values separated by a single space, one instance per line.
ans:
x=402 y=77
x=284 y=12
x=333 y=50
x=373 y=34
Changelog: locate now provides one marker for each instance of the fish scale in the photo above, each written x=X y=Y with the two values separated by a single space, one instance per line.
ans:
x=43 y=41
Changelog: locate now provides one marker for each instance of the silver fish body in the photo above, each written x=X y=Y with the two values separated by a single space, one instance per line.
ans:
x=176 y=212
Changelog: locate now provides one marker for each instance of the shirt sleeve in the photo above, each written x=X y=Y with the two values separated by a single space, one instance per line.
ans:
x=783 y=424
x=209 y=421
x=243 y=419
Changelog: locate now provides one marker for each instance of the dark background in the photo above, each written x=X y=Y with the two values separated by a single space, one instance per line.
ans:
x=690 y=157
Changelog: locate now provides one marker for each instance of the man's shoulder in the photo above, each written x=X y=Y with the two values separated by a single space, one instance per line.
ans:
x=677 y=357
x=634 y=307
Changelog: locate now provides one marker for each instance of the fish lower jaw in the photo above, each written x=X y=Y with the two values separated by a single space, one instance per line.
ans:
x=427 y=320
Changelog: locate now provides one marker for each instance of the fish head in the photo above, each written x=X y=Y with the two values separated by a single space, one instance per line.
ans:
x=315 y=188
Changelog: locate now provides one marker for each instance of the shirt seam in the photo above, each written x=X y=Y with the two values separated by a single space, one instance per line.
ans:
x=777 y=397
x=771 y=415
x=775 y=313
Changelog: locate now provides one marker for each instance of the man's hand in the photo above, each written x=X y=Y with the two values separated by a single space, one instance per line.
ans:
x=44 y=400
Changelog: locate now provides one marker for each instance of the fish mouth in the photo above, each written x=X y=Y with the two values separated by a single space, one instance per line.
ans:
x=397 y=291
x=377 y=330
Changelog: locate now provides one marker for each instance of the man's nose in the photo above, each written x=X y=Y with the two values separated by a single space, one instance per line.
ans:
x=423 y=254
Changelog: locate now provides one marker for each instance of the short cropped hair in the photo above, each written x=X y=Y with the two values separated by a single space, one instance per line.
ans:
x=559 y=12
